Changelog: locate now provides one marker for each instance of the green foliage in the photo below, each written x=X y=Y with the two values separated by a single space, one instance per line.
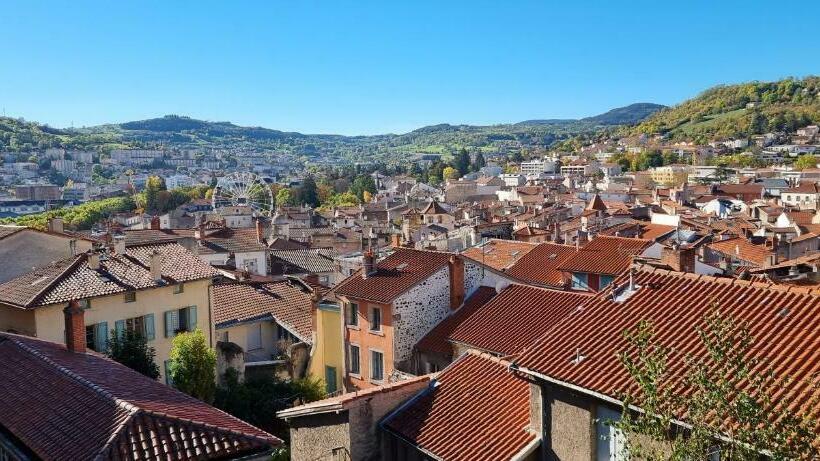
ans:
x=361 y=184
x=722 y=112
x=80 y=217
x=729 y=392
x=193 y=365
x=461 y=164
x=284 y=197
x=480 y=162
x=153 y=186
x=257 y=400
x=450 y=173
x=307 y=194
x=345 y=199
x=805 y=162
x=130 y=349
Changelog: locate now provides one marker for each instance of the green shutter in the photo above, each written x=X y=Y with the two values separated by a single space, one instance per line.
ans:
x=191 y=318
x=101 y=337
x=119 y=328
x=150 y=334
x=171 y=323
x=330 y=379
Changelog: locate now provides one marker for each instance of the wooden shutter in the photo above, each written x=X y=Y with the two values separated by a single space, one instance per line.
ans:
x=171 y=323
x=101 y=337
x=119 y=328
x=150 y=332
x=191 y=318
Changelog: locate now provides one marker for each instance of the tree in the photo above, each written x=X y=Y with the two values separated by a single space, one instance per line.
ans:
x=131 y=349
x=308 y=194
x=805 y=162
x=363 y=182
x=284 y=197
x=153 y=186
x=729 y=392
x=193 y=365
x=462 y=163
x=479 y=162
x=367 y=196
x=450 y=173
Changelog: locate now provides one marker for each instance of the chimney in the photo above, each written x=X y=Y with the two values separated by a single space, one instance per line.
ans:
x=368 y=264
x=395 y=240
x=678 y=258
x=156 y=266
x=74 y=327
x=155 y=223
x=456 y=266
x=55 y=224
x=199 y=233
x=119 y=244
x=94 y=260
x=259 y=231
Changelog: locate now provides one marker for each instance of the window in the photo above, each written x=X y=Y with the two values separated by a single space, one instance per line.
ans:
x=96 y=336
x=130 y=296
x=355 y=367
x=352 y=315
x=580 y=281
x=330 y=379
x=143 y=325
x=282 y=334
x=611 y=442
x=254 y=336
x=605 y=280
x=179 y=288
x=376 y=366
x=375 y=319
x=430 y=367
x=179 y=321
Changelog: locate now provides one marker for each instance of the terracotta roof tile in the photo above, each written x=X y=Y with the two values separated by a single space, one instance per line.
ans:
x=605 y=255
x=395 y=274
x=288 y=302
x=740 y=248
x=437 y=340
x=88 y=407
x=784 y=321
x=540 y=265
x=515 y=318
x=474 y=410
x=498 y=254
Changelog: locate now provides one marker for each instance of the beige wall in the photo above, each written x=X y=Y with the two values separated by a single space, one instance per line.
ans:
x=50 y=322
x=238 y=334
x=17 y=320
x=571 y=425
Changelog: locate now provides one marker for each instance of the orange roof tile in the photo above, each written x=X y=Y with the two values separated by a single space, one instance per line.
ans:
x=437 y=340
x=605 y=255
x=740 y=248
x=540 y=265
x=499 y=254
x=474 y=410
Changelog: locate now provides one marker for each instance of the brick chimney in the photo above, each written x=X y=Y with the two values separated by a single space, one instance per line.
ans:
x=456 y=267
x=55 y=225
x=368 y=263
x=74 y=327
x=260 y=233
x=678 y=258
x=156 y=266
x=155 y=223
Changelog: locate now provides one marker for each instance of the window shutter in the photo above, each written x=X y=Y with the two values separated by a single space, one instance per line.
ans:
x=119 y=328
x=150 y=333
x=101 y=337
x=171 y=323
x=191 y=318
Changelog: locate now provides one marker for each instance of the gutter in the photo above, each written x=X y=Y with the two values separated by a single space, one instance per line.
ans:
x=527 y=450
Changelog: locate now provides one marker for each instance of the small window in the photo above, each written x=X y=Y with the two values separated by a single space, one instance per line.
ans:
x=376 y=366
x=282 y=334
x=611 y=444
x=580 y=281
x=375 y=319
x=254 y=336
x=179 y=288
x=355 y=367
x=353 y=315
x=606 y=280
x=130 y=296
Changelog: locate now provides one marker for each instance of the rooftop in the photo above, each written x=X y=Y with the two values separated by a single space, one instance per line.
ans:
x=605 y=255
x=498 y=254
x=540 y=265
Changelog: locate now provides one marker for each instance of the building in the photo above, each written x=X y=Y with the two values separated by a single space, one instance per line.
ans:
x=670 y=175
x=537 y=167
x=25 y=248
x=156 y=290
x=388 y=306
x=804 y=196
x=599 y=262
x=37 y=192
x=65 y=402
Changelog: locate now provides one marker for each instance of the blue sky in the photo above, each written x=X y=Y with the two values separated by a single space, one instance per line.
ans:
x=376 y=67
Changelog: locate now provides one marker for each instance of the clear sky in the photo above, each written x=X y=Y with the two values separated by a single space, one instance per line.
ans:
x=386 y=66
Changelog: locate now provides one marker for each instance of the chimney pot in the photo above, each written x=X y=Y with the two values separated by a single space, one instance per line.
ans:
x=94 y=261
x=119 y=244
x=259 y=231
x=456 y=266
x=156 y=266
x=368 y=264
x=74 y=327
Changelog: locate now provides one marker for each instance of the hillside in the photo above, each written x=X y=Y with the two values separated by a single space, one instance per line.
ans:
x=628 y=115
x=741 y=110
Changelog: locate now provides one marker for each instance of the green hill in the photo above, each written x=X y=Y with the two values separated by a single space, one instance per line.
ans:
x=742 y=110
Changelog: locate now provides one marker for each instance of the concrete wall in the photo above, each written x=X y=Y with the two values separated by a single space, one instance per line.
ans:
x=27 y=249
x=568 y=425
x=17 y=320
x=313 y=438
x=50 y=322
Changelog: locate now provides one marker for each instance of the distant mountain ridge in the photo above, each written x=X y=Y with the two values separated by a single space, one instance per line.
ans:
x=627 y=115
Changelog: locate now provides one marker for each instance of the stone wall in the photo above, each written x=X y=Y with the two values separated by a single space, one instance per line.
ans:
x=417 y=311
x=569 y=425
x=315 y=437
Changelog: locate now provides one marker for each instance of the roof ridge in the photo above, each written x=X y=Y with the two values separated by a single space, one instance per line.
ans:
x=73 y=265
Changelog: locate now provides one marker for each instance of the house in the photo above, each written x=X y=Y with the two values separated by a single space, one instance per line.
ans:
x=540 y=266
x=65 y=402
x=531 y=234
x=304 y=262
x=738 y=253
x=23 y=249
x=597 y=264
x=434 y=213
x=388 y=306
x=804 y=196
x=345 y=427
x=157 y=290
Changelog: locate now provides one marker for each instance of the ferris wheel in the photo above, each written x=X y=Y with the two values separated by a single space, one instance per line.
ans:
x=243 y=189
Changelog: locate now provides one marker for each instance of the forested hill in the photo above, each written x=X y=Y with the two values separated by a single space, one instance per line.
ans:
x=730 y=111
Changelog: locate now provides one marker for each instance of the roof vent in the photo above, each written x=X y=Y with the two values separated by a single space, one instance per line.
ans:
x=783 y=312
x=553 y=256
x=401 y=266
x=579 y=356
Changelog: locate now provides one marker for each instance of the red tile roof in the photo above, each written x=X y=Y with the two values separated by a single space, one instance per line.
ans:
x=434 y=208
x=474 y=410
x=605 y=255
x=515 y=318
x=784 y=320
x=540 y=266
x=437 y=340
x=66 y=405
x=498 y=254
x=528 y=231
x=740 y=248
x=288 y=302
x=73 y=279
x=396 y=274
